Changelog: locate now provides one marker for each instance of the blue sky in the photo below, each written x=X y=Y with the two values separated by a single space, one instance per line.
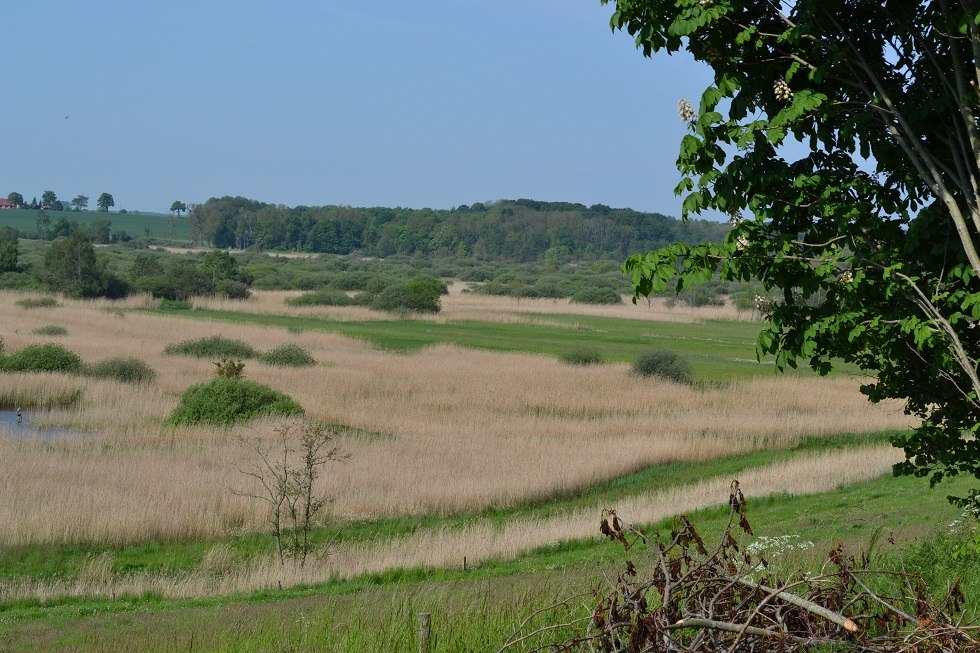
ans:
x=415 y=103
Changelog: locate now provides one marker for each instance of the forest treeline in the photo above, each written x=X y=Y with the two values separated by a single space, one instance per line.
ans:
x=508 y=230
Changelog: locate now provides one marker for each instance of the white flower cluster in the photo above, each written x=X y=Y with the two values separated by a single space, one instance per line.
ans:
x=846 y=277
x=735 y=218
x=686 y=110
x=782 y=90
x=741 y=243
x=763 y=304
x=967 y=521
x=773 y=547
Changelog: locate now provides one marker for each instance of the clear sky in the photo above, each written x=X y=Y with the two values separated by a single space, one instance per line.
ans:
x=414 y=103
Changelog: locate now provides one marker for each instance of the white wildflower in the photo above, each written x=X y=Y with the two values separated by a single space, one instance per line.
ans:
x=846 y=277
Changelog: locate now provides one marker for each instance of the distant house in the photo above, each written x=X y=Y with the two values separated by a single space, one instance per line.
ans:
x=6 y=204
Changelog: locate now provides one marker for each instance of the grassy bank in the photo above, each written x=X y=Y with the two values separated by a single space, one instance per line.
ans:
x=478 y=608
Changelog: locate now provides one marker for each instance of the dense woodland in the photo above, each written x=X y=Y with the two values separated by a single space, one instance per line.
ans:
x=509 y=230
x=376 y=257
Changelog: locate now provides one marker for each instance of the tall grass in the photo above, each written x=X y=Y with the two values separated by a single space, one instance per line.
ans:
x=468 y=429
x=477 y=542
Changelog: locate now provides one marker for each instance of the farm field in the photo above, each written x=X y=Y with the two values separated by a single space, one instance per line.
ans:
x=468 y=437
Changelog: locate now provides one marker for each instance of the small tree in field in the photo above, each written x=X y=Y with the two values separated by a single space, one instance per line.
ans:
x=286 y=473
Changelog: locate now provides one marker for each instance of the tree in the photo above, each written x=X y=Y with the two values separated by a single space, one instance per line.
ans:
x=80 y=203
x=71 y=267
x=16 y=198
x=49 y=198
x=285 y=475
x=9 y=250
x=177 y=207
x=843 y=140
x=105 y=202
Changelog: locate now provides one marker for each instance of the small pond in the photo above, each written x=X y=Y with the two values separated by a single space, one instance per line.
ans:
x=10 y=425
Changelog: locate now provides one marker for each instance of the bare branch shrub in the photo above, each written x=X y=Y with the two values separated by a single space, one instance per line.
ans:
x=286 y=471
x=696 y=600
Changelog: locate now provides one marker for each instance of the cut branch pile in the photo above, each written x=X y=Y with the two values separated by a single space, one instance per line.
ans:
x=697 y=600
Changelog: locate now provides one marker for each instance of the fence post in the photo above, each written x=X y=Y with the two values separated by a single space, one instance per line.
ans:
x=425 y=630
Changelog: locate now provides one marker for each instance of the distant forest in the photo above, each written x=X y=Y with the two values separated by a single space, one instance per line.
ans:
x=508 y=230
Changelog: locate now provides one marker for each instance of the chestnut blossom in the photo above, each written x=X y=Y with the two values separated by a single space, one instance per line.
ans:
x=782 y=90
x=686 y=110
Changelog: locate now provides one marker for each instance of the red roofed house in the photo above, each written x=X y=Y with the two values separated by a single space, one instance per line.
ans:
x=6 y=204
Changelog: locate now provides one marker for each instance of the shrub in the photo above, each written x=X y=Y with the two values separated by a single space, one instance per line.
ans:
x=419 y=294
x=212 y=347
x=37 y=302
x=325 y=297
x=664 y=364
x=352 y=280
x=594 y=295
x=127 y=370
x=226 y=401
x=422 y=294
x=288 y=356
x=50 y=330
x=42 y=358
x=391 y=298
x=232 y=289
x=582 y=356
x=227 y=368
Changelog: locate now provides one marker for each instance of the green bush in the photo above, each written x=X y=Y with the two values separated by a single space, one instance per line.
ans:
x=582 y=356
x=223 y=401
x=42 y=358
x=353 y=280
x=420 y=294
x=127 y=370
x=212 y=347
x=37 y=302
x=232 y=289
x=324 y=297
x=391 y=298
x=288 y=356
x=596 y=295
x=664 y=364
x=50 y=330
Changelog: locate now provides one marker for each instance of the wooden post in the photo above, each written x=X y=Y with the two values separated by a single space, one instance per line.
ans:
x=425 y=630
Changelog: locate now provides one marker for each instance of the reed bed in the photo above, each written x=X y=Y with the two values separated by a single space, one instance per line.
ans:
x=460 y=304
x=440 y=431
x=219 y=574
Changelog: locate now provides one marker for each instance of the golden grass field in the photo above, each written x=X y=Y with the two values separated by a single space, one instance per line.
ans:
x=457 y=430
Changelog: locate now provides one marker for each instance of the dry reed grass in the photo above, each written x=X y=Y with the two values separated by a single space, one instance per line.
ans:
x=218 y=573
x=459 y=429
